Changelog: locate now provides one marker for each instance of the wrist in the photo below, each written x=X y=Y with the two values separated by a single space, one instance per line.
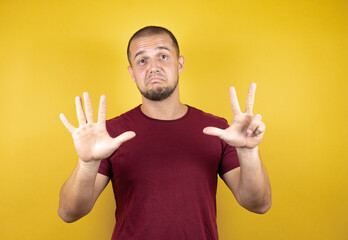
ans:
x=91 y=166
x=244 y=150
x=249 y=159
x=248 y=155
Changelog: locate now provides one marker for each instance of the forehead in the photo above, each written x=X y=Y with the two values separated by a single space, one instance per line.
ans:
x=152 y=42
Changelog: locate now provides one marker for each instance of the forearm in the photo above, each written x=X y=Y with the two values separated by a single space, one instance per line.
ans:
x=77 y=193
x=254 y=187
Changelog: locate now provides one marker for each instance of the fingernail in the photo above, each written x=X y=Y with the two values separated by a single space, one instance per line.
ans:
x=249 y=132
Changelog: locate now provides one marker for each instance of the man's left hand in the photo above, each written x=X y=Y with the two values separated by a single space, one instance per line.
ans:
x=247 y=129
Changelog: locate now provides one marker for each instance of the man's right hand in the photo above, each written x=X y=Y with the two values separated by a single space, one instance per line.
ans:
x=92 y=141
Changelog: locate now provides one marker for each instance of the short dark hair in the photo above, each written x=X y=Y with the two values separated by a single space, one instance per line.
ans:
x=149 y=31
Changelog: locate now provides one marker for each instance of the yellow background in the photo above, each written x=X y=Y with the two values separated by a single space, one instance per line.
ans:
x=296 y=51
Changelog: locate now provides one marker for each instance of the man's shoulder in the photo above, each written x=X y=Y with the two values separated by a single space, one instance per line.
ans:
x=124 y=116
x=122 y=123
x=207 y=117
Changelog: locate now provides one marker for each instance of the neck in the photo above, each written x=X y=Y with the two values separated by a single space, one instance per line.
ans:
x=167 y=109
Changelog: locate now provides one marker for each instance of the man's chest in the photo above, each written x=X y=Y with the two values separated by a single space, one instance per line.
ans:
x=167 y=152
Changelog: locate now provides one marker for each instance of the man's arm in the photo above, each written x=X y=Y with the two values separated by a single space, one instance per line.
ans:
x=249 y=183
x=92 y=143
x=80 y=192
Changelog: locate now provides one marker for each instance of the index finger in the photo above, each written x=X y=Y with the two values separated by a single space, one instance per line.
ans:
x=234 y=101
x=250 y=99
x=102 y=109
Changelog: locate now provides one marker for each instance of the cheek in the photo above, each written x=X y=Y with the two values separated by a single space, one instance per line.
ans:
x=140 y=72
x=140 y=76
x=172 y=70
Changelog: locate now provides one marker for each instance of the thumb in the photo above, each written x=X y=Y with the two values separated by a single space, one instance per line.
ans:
x=123 y=138
x=213 y=131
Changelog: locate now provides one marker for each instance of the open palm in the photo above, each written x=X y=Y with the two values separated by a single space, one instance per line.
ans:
x=91 y=140
x=247 y=129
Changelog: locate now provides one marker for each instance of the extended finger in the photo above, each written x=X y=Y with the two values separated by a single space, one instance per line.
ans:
x=250 y=99
x=254 y=124
x=88 y=107
x=234 y=101
x=123 y=138
x=102 y=109
x=66 y=123
x=214 y=131
x=79 y=111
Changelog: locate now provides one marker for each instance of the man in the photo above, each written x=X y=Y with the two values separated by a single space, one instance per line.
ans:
x=163 y=157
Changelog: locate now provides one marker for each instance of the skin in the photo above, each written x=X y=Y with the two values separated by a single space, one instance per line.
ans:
x=92 y=143
x=155 y=65
x=249 y=183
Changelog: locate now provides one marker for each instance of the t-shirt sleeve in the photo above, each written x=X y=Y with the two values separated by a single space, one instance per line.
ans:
x=105 y=168
x=229 y=158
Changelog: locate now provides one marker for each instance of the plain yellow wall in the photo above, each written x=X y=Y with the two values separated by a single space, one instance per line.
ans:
x=296 y=51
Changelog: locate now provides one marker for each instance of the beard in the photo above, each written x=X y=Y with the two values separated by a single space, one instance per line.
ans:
x=159 y=93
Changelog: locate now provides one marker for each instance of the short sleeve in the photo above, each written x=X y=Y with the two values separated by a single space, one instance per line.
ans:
x=229 y=157
x=105 y=168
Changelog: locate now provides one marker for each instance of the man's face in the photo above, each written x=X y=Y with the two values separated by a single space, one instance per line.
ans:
x=155 y=66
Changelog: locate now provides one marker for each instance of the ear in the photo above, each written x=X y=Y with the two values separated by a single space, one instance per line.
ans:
x=181 y=61
x=130 y=70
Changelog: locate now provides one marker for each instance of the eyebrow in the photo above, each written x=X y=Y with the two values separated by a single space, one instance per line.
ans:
x=157 y=48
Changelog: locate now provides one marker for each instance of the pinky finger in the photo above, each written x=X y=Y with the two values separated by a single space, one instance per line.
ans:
x=260 y=129
x=67 y=124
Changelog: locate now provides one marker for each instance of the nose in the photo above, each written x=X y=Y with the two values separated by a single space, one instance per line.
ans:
x=154 y=66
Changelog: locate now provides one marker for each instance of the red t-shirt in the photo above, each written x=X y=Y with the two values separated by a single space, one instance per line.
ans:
x=165 y=178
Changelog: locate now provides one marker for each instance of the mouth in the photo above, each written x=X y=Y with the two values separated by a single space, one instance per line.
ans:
x=154 y=79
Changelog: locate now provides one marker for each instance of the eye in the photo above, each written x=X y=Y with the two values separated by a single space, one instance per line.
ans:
x=164 y=56
x=142 y=61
